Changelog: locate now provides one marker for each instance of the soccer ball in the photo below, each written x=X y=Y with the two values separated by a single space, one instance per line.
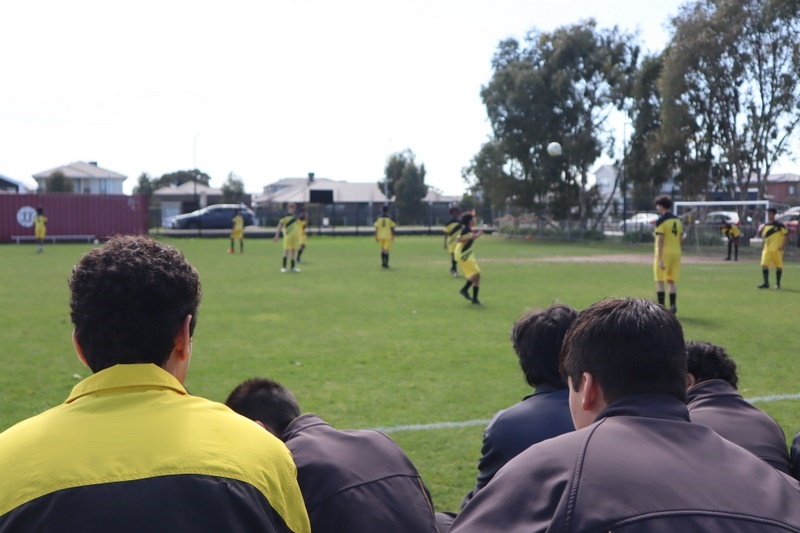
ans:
x=554 y=149
x=96 y=241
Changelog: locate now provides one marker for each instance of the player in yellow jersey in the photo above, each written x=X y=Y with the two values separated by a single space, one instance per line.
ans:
x=237 y=232
x=302 y=221
x=384 y=234
x=288 y=224
x=452 y=231
x=465 y=255
x=775 y=235
x=667 y=260
x=40 y=229
x=733 y=233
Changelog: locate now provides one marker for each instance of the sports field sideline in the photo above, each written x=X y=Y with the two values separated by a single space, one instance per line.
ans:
x=399 y=349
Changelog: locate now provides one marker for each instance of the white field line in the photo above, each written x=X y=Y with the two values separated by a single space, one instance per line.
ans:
x=471 y=423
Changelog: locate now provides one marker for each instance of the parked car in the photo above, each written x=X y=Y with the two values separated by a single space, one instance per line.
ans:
x=216 y=216
x=639 y=222
x=717 y=218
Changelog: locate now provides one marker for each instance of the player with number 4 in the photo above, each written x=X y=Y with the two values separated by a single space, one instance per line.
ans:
x=667 y=262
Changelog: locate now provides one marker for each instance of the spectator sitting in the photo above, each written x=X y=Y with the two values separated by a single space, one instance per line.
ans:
x=715 y=402
x=130 y=449
x=352 y=481
x=536 y=337
x=635 y=462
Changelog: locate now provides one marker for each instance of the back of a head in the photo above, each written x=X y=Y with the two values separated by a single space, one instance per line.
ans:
x=265 y=401
x=466 y=218
x=385 y=209
x=664 y=201
x=630 y=346
x=537 y=337
x=709 y=361
x=129 y=299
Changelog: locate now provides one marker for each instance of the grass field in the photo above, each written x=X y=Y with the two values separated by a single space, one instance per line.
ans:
x=366 y=347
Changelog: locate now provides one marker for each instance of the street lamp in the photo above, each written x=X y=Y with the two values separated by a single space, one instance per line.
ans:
x=194 y=170
x=624 y=176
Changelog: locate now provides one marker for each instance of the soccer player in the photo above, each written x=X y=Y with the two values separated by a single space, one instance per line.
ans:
x=733 y=233
x=774 y=235
x=384 y=234
x=237 y=232
x=288 y=224
x=302 y=221
x=40 y=229
x=667 y=261
x=452 y=231
x=465 y=255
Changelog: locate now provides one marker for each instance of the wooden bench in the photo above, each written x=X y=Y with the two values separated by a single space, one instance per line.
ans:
x=53 y=238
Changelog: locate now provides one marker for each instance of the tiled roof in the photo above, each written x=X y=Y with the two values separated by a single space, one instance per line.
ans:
x=80 y=169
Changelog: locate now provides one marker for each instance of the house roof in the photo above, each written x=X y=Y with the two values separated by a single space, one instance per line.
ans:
x=783 y=178
x=187 y=188
x=81 y=170
x=297 y=190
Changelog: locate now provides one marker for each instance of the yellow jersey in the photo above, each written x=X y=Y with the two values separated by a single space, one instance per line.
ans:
x=731 y=231
x=238 y=223
x=773 y=234
x=452 y=232
x=289 y=225
x=464 y=250
x=384 y=225
x=671 y=228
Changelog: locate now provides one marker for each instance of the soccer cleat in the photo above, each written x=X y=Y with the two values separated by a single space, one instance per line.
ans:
x=295 y=269
x=777 y=287
x=763 y=286
x=230 y=251
x=283 y=271
x=673 y=309
x=727 y=259
x=476 y=301
x=454 y=272
x=465 y=294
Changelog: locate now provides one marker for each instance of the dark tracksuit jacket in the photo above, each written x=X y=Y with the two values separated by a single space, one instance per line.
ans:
x=642 y=466
x=716 y=404
x=540 y=416
x=357 y=481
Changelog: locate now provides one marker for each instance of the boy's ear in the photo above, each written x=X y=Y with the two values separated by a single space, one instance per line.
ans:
x=79 y=350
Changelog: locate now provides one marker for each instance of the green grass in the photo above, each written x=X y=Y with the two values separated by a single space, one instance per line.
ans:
x=367 y=347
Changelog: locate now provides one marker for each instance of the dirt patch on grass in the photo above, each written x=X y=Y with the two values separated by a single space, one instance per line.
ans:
x=638 y=259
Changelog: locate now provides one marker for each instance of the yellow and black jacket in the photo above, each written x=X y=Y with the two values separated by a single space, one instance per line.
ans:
x=131 y=450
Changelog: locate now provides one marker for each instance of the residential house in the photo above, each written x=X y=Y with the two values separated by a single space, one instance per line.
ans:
x=7 y=185
x=783 y=188
x=184 y=198
x=87 y=178
x=338 y=203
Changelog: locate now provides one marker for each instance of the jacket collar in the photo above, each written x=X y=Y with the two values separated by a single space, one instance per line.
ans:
x=663 y=406
x=146 y=375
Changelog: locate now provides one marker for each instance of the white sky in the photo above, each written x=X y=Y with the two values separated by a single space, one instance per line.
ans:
x=265 y=89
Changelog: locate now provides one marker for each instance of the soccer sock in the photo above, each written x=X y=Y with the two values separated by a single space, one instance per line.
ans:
x=299 y=254
x=673 y=297
x=778 y=273
x=453 y=260
x=387 y=259
x=233 y=248
x=467 y=286
x=475 y=292
x=241 y=246
x=660 y=295
x=735 y=253
x=284 y=261
x=292 y=263
x=766 y=276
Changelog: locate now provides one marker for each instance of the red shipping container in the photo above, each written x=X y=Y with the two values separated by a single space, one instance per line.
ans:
x=101 y=215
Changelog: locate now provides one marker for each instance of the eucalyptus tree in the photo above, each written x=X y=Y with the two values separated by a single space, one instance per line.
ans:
x=558 y=86
x=730 y=92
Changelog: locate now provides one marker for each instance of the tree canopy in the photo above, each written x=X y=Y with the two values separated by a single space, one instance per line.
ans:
x=405 y=181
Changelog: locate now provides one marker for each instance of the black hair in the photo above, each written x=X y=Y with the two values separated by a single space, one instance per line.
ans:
x=537 y=337
x=630 y=346
x=129 y=299
x=709 y=361
x=266 y=401
x=664 y=201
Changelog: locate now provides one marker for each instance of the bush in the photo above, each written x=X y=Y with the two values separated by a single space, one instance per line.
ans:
x=636 y=237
